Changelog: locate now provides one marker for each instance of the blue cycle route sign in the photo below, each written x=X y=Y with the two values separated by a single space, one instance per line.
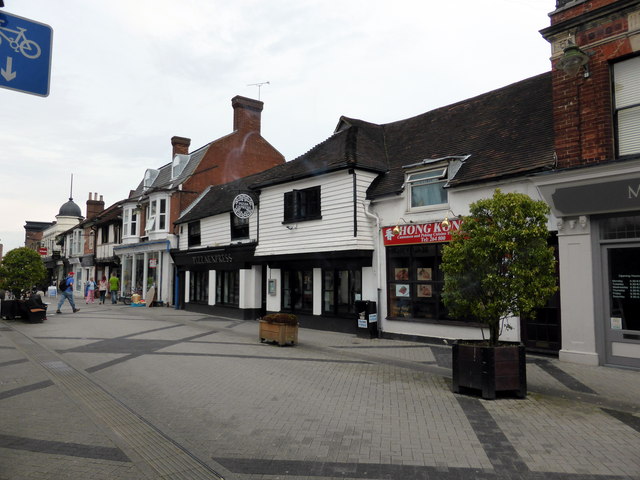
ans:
x=25 y=54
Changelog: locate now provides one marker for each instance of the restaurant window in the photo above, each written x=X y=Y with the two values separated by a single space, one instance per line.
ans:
x=623 y=259
x=199 y=287
x=624 y=287
x=239 y=227
x=193 y=238
x=297 y=291
x=415 y=281
x=228 y=287
x=340 y=290
x=626 y=90
x=427 y=188
x=301 y=205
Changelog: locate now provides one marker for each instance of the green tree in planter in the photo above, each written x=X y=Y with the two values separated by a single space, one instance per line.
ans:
x=499 y=264
x=21 y=269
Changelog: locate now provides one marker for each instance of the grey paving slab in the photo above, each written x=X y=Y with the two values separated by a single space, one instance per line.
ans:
x=335 y=406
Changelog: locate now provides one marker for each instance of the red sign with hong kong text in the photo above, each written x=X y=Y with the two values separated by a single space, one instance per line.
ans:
x=420 y=233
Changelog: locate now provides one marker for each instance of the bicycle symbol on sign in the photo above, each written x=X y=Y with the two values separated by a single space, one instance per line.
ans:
x=28 y=48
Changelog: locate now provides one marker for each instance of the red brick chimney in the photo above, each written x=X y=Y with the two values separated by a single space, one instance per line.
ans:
x=180 y=146
x=246 y=114
x=94 y=206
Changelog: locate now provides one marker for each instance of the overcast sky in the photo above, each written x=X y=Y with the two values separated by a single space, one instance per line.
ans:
x=128 y=75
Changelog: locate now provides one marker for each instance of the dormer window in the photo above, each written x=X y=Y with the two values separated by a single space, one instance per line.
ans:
x=150 y=176
x=426 y=188
x=177 y=166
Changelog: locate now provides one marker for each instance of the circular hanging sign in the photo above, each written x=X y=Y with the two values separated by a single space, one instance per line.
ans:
x=243 y=205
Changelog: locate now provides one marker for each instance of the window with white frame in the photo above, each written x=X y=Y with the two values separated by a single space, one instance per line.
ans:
x=77 y=242
x=130 y=221
x=157 y=215
x=426 y=188
x=627 y=105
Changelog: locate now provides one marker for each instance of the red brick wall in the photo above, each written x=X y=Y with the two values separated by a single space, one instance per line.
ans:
x=583 y=110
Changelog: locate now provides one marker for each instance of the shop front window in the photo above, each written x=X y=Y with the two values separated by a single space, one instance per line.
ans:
x=415 y=282
x=228 y=287
x=624 y=288
x=199 y=287
x=127 y=273
x=297 y=291
x=340 y=290
x=139 y=272
x=152 y=273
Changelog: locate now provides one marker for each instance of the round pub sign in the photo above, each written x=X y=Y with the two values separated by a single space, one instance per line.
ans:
x=243 y=205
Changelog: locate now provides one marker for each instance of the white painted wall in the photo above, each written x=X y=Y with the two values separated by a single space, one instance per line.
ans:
x=576 y=295
x=333 y=232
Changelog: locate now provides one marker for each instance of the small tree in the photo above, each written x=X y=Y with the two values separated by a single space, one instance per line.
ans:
x=499 y=264
x=21 y=269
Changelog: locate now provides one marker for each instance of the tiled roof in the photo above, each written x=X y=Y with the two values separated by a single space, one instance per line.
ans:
x=503 y=133
x=163 y=180
x=357 y=145
x=218 y=199
x=506 y=132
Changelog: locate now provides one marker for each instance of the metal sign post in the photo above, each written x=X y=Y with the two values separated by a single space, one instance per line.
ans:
x=25 y=54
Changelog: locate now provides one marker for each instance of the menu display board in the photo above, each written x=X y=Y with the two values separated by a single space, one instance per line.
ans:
x=624 y=288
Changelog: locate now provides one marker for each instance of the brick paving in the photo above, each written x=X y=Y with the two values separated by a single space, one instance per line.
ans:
x=147 y=393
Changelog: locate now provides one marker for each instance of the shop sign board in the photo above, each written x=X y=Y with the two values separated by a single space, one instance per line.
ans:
x=25 y=54
x=415 y=233
x=620 y=195
x=243 y=205
x=43 y=251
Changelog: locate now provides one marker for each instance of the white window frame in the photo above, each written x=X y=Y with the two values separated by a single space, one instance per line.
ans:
x=627 y=105
x=157 y=215
x=129 y=220
x=431 y=176
x=77 y=243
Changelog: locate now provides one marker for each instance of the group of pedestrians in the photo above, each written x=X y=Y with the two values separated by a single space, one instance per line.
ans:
x=66 y=290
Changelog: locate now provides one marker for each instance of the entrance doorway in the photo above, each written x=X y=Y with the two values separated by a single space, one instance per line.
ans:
x=622 y=304
x=542 y=332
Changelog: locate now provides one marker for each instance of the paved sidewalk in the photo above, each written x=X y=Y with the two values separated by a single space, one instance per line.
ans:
x=148 y=393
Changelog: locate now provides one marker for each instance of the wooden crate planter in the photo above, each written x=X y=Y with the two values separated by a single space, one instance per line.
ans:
x=489 y=370
x=279 y=328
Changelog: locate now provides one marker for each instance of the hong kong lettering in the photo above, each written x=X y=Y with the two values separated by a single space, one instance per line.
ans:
x=216 y=258
x=429 y=228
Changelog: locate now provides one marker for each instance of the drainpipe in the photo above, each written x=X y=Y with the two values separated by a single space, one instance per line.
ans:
x=367 y=204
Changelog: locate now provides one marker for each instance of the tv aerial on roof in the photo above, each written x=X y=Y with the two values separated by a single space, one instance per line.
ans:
x=259 y=85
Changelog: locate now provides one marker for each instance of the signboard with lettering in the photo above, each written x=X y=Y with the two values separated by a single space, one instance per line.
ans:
x=420 y=233
x=243 y=205
x=620 y=195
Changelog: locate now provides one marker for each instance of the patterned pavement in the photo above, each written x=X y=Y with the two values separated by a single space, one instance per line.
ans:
x=118 y=392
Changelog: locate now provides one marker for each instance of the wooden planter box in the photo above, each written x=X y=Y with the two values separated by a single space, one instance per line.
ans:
x=489 y=369
x=280 y=333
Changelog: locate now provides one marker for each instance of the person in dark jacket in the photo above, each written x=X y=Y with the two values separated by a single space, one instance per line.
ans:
x=67 y=293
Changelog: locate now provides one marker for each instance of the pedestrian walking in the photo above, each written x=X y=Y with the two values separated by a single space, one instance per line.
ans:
x=114 y=286
x=102 y=288
x=91 y=291
x=67 y=293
